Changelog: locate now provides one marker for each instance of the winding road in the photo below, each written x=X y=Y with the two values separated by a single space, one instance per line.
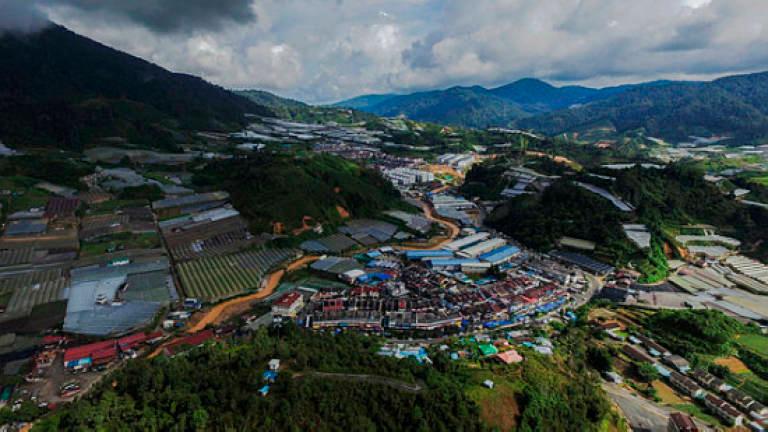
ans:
x=436 y=242
x=373 y=379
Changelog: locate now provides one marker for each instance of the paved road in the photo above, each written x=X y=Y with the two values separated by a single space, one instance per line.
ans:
x=642 y=415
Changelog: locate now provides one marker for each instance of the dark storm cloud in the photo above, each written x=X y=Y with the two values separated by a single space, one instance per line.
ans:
x=23 y=16
x=326 y=50
x=169 y=16
x=420 y=55
x=697 y=35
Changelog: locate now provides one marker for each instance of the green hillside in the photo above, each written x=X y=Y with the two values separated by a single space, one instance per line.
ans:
x=59 y=89
x=216 y=389
x=733 y=106
x=281 y=188
x=291 y=109
x=463 y=106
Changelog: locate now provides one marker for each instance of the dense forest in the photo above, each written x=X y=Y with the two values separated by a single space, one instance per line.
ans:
x=50 y=167
x=733 y=106
x=679 y=195
x=299 y=111
x=462 y=106
x=667 y=198
x=563 y=394
x=478 y=106
x=61 y=89
x=564 y=209
x=269 y=188
x=485 y=181
x=215 y=388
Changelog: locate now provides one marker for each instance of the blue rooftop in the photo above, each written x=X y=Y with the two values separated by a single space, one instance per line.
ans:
x=500 y=253
x=453 y=261
x=416 y=254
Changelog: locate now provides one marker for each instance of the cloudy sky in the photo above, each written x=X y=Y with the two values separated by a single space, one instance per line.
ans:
x=327 y=50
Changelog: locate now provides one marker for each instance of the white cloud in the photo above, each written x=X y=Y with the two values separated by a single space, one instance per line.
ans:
x=323 y=50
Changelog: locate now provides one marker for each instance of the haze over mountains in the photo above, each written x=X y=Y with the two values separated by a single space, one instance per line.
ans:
x=734 y=106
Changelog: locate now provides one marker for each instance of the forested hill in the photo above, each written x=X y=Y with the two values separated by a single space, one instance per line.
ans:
x=735 y=106
x=278 y=188
x=478 y=106
x=60 y=89
x=292 y=109
x=464 y=106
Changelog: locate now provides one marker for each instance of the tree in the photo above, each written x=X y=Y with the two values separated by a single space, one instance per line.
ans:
x=647 y=372
x=719 y=371
x=599 y=358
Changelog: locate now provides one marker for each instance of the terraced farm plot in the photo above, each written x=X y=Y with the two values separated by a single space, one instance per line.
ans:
x=22 y=292
x=216 y=278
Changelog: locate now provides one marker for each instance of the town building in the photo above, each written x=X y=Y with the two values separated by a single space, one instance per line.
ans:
x=288 y=305
x=686 y=385
x=724 y=410
x=679 y=422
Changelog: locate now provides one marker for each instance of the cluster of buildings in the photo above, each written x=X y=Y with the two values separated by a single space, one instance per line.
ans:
x=83 y=357
x=115 y=180
x=460 y=162
x=408 y=176
x=731 y=405
x=355 y=233
x=429 y=290
x=454 y=207
x=526 y=181
x=273 y=130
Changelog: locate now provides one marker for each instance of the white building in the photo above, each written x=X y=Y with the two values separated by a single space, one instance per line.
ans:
x=408 y=176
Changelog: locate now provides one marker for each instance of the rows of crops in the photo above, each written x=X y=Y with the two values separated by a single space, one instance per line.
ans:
x=215 y=278
x=27 y=290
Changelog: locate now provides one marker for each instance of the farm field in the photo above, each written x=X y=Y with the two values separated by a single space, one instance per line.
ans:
x=19 y=294
x=111 y=206
x=216 y=278
x=755 y=342
x=31 y=198
x=750 y=383
x=124 y=240
x=733 y=364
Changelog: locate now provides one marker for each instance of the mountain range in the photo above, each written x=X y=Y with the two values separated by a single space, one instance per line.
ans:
x=60 y=89
x=735 y=106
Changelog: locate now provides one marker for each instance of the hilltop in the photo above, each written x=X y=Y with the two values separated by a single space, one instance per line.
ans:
x=295 y=110
x=280 y=188
x=60 y=89
x=477 y=106
x=734 y=106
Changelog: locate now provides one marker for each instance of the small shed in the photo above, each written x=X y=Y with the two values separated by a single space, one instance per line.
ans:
x=488 y=383
x=274 y=365
x=269 y=376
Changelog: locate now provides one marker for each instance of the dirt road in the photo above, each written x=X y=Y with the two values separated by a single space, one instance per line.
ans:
x=237 y=306
x=436 y=242
x=373 y=379
x=228 y=309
